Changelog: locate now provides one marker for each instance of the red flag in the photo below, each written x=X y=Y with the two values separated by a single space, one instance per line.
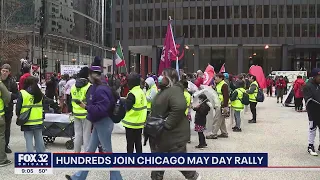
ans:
x=223 y=69
x=169 y=50
x=208 y=75
x=258 y=72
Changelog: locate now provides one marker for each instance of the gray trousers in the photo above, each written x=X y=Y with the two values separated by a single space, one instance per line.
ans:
x=82 y=131
x=312 y=132
x=3 y=155
x=219 y=122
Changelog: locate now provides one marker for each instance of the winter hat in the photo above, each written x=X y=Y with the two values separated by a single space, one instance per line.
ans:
x=96 y=65
x=133 y=80
x=6 y=66
x=84 y=72
x=315 y=72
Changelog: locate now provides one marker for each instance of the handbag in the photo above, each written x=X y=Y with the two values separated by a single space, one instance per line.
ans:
x=154 y=126
x=23 y=117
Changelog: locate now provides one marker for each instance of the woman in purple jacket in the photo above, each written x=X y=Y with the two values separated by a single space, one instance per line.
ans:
x=99 y=100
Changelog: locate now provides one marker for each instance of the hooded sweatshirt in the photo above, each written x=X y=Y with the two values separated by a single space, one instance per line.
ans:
x=298 y=88
x=153 y=93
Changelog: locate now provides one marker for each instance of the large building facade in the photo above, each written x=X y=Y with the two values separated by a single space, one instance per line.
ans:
x=75 y=31
x=275 y=34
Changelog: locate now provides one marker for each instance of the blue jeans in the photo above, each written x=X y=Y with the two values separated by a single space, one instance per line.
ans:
x=101 y=132
x=37 y=135
x=237 y=118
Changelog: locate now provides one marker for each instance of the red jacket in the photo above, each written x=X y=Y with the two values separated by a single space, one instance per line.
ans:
x=281 y=84
x=22 y=79
x=269 y=82
x=199 y=81
x=297 y=87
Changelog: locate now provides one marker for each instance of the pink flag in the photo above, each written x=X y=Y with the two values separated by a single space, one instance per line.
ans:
x=208 y=75
x=169 y=50
x=258 y=72
x=223 y=69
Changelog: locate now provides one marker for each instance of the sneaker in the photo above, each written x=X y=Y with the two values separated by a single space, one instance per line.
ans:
x=6 y=163
x=277 y=101
x=8 y=150
x=252 y=121
x=234 y=127
x=189 y=142
x=68 y=177
x=237 y=130
x=200 y=146
x=319 y=148
x=223 y=136
x=212 y=137
x=311 y=150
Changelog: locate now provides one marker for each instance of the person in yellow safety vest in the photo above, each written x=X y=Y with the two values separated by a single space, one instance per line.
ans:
x=152 y=91
x=236 y=103
x=31 y=98
x=219 y=118
x=136 y=104
x=253 y=92
x=187 y=96
x=82 y=126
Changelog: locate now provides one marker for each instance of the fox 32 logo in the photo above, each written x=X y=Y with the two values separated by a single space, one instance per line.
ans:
x=32 y=160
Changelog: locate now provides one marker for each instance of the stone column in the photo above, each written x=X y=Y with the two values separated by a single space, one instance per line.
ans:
x=155 y=59
x=284 y=60
x=240 y=58
x=196 y=58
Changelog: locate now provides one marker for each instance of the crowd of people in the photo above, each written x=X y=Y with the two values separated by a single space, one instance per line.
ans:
x=91 y=98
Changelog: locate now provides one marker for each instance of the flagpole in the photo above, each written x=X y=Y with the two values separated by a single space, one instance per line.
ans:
x=177 y=58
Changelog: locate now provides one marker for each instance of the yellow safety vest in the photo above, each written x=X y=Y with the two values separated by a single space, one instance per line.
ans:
x=237 y=104
x=187 y=96
x=36 y=114
x=136 y=117
x=219 y=88
x=253 y=96
x=148 y=93
x=1 y=106
x=79 y=94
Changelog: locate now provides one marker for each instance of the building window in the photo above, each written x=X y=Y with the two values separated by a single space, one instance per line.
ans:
x=289 y=30
x=144 y=31
x=143 y=15
x=312 y=30
x=185 y=13
x=150 y=14
x=289 y=11
x=259 y=11
x=304 y=30
x=251 y=30
x=178 y=13
x=137 y=1
x=236 y=30
x=274 y=30
x=221 y=12
x=164 y=14
x=274 y=11
x=266 y=30
x=266 y=11
x=157 y=14
x=214 y=12
x=297 y=30
x=244 y=30
x=193 y=31
x=297 y=11
x=318 y=11
x=186 y=31
x=118 y=2
x=200 y=31
x=281 y=30
x=304 y=11
x=229 y=30
x=157 y=32
x=130 y=1
x=318 y=30
x=150 y=32
x=244 y=12
x=118 y=16
x=259 y=30
x=251 y=11
x=131 y=15
x=207 y=13
x=214 y=30
x=199 y=13
x=131 y=33
x=229 y=12
x=312 y=11
x=207 y=33
x=178 y=30
x=281 y=9
x=164 y=31
x=222 y=31
x=171 y=13
x=137 y=15
x=137 y=32
x=193 y=13
x=118 y=33
x=236 y=12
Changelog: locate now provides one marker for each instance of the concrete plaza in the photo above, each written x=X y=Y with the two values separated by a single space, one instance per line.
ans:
x=280 y=131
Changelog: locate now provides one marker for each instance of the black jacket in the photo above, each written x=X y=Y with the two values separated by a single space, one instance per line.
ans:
x=311 y=93
x=201 y=114
x=11 y=85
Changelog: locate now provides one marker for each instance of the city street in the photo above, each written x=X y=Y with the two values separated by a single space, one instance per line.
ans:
x=280 y=131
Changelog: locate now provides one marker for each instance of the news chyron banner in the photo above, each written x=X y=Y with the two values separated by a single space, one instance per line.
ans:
x=45 y=163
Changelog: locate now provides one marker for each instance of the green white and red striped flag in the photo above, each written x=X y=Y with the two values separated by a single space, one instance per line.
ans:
x=119 y=58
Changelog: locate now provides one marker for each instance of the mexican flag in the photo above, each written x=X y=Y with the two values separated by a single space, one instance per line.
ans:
x=119 y=58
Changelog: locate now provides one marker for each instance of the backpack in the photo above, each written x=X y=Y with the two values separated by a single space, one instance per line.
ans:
x=245 y=98
x=260 y=95
x=118 y=111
